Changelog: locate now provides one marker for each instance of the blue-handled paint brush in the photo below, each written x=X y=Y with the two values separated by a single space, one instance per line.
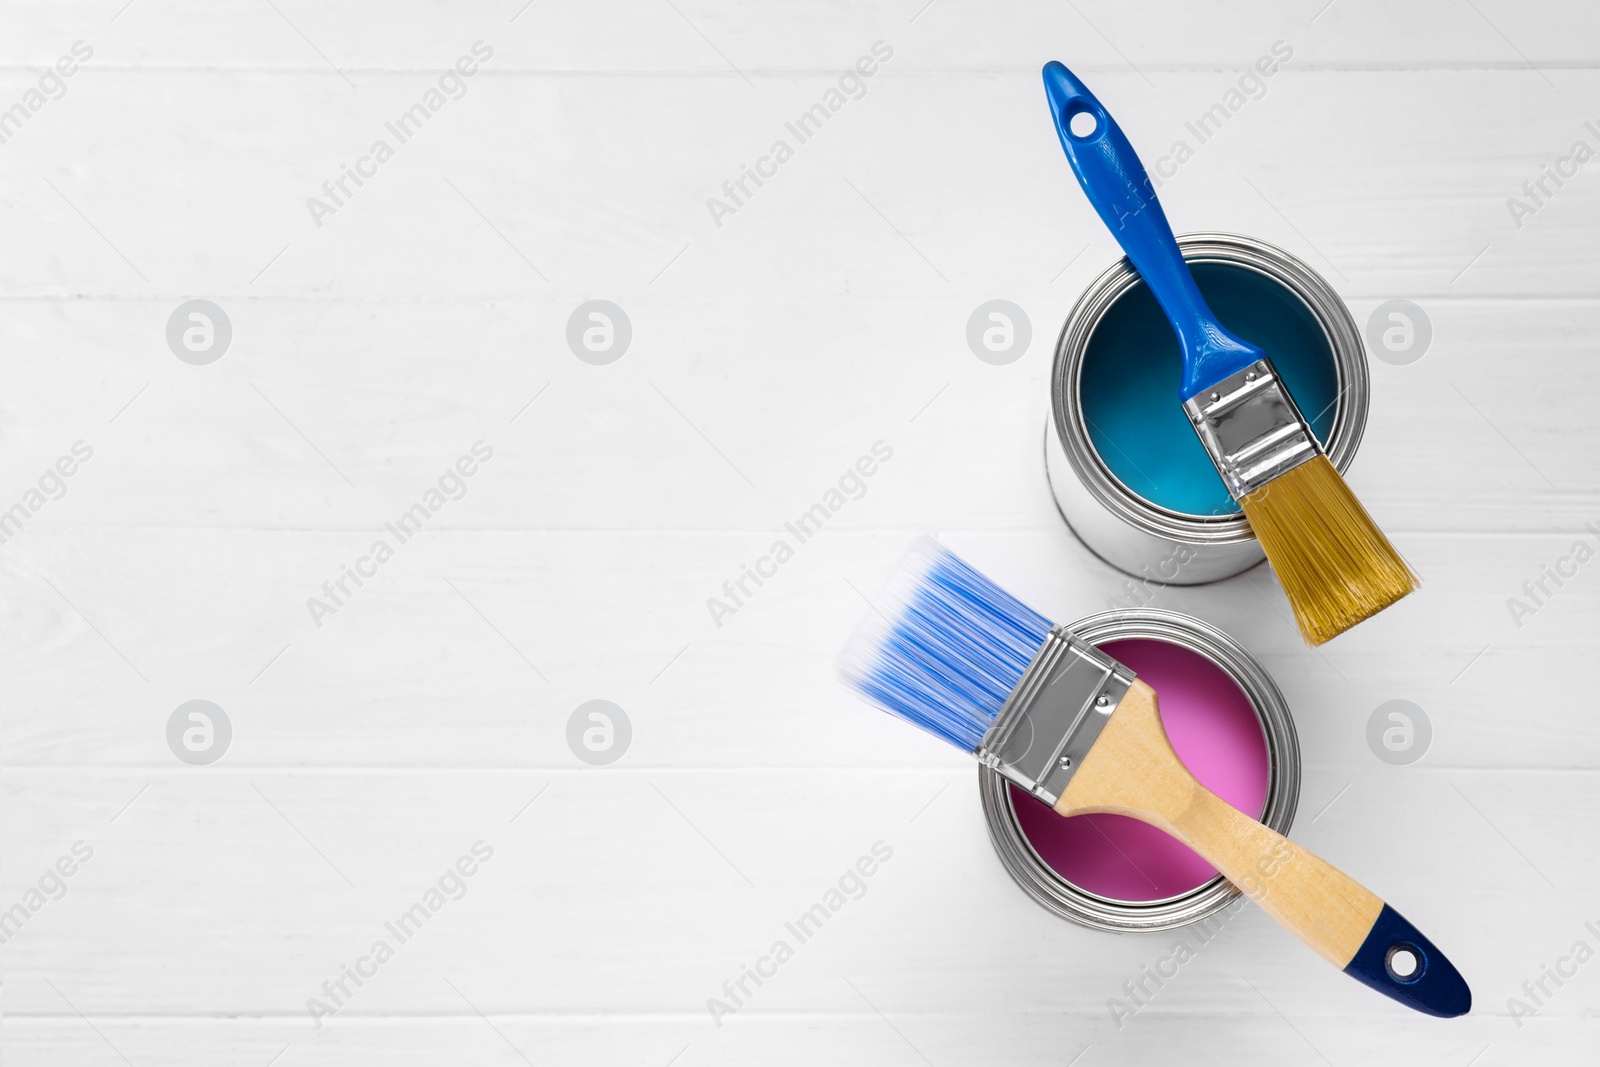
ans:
x=946 y=649
x=1336 y=566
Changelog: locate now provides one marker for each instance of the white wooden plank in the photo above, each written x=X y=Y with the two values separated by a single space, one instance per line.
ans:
x=222 y=616
x=689 y=875
x=1034 y=1040
x=1404 y=207
x=789 y=399
x=708 y=38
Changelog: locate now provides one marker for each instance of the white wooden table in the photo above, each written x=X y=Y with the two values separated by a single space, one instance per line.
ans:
x=771 y=347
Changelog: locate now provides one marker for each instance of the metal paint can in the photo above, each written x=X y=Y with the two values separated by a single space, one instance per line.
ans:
x=1060 y=896
x=1116 y=522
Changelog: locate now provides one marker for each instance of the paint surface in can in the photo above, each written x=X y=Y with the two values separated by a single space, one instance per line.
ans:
x=1130 y=376
x=1216 y=732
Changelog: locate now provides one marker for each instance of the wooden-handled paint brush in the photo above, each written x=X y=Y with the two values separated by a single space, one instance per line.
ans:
x=1336 y=566
x=948 y=650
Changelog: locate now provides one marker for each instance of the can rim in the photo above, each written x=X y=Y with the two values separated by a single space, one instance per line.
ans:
x=1269 y=261
x=1063 y=898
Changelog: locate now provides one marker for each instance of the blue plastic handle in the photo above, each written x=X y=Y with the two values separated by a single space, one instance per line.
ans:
x=1117 y=185
x=1432 y=986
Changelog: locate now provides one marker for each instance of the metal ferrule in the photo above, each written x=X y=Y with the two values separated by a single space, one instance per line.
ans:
x=1251 y=427
x=1054 y=715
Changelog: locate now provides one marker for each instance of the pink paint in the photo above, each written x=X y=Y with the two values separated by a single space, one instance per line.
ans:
x=1218 y=736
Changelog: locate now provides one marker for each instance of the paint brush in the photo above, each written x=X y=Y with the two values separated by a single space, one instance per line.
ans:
x=946 y=649
x=1336 y=565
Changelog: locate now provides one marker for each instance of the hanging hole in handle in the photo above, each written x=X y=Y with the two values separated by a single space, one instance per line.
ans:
x=1404 y=962
x=1083 y=123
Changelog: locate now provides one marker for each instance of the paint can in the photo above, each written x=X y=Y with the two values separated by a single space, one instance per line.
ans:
x=1127 y=473
x=1201 y=676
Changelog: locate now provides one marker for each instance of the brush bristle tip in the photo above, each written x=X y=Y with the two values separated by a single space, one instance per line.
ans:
x=1336 y=566
x=942 y=646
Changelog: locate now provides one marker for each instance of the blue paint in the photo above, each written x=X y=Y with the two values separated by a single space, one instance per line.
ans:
x=1130 y=381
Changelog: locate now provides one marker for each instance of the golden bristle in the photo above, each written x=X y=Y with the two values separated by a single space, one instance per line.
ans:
x=1335 y=564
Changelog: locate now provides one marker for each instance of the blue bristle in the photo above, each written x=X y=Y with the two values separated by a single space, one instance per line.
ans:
x=943 y=647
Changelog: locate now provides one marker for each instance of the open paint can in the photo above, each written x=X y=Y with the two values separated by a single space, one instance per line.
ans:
x=1125 y=467
x=1231 y=727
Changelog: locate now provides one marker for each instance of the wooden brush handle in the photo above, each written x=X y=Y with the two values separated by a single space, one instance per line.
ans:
x=1132 y=770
